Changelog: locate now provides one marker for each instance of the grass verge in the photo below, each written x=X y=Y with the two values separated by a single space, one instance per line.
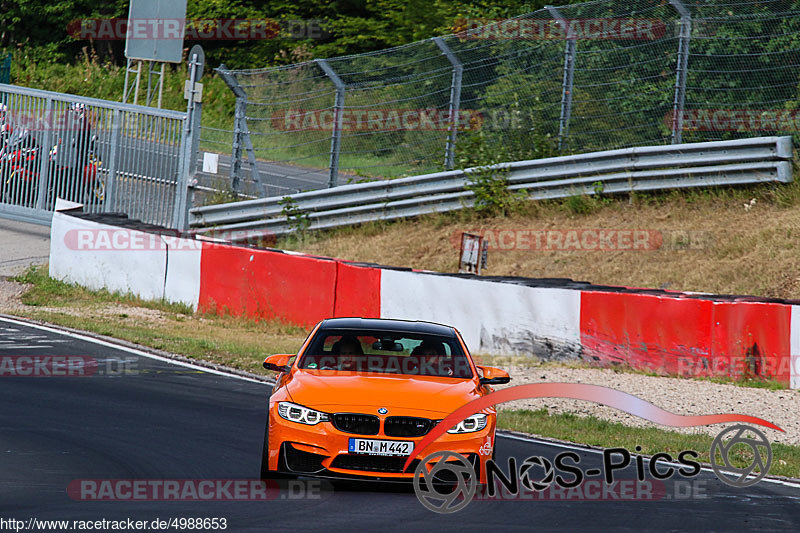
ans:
x=716 y=240
x=242 y=344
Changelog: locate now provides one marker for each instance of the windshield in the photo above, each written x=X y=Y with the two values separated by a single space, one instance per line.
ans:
x=386 y=352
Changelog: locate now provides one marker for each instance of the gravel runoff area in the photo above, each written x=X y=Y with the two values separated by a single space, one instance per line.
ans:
x=681 y=396
x=10 y=294
x=678 y=395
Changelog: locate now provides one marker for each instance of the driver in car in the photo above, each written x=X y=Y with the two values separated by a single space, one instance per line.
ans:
x=433 y=358
x=349 y=352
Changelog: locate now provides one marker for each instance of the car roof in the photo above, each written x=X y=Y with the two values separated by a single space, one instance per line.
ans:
x=387 y=324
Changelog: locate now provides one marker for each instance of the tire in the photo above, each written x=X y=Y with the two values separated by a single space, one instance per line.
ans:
x=266 y=473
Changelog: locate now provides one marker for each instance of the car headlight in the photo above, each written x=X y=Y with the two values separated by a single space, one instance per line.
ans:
x=470 y=424
x=302 y=415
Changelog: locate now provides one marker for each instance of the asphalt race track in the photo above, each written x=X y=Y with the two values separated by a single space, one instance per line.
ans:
x=144 y=418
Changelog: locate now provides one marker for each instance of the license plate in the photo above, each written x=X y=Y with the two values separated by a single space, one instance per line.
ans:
x=381 y=447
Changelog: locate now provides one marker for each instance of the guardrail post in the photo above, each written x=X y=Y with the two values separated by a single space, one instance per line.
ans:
x=568 y=77
x=50 y=122
x=455 y=102
x=681 y=70
x=110 y=192
x=336 y=131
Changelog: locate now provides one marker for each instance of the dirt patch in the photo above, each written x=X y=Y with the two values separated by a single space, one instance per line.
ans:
x=11 y=295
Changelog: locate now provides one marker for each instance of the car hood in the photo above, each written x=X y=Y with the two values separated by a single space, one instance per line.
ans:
x=402 y=394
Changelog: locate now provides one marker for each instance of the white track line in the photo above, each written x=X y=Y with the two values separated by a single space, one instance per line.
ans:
x=131 y=350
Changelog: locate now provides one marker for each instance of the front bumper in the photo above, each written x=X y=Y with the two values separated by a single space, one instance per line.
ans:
x=322 y=450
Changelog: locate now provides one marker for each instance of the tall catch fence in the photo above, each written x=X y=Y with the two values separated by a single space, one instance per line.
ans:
x=558 y=81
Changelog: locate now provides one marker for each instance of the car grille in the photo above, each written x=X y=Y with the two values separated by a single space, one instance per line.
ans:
x=406 y=426
x=356 y=423
x=372 y=463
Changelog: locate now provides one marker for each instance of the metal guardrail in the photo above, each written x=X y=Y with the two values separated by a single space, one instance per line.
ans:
x=736 y=162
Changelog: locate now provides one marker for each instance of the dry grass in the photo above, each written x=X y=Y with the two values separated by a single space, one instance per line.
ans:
x=233 y=342
x=733 y=250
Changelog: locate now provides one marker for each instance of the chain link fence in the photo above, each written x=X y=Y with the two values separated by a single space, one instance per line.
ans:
x=572 y=79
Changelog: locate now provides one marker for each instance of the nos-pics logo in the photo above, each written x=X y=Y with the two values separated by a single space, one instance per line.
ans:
x=446 y=482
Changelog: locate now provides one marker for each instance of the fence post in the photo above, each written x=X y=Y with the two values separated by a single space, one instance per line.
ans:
x=568 y=77
x=455 y=102
x=44 y=162
x=336 y=131
x=110 y=192
x=236 y=154
x=181 y=208
x=681 y=70
x=197 y=120
x=241 y=135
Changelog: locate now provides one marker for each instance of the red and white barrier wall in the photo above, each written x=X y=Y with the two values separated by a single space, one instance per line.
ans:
x=123 y=259
x=492 y=317
x=665 y=332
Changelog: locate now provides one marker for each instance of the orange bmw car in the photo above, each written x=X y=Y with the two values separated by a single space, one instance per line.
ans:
x=361 y=393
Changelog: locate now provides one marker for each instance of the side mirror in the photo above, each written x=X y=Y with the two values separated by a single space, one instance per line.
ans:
x=493 y=376
x=278 y=362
